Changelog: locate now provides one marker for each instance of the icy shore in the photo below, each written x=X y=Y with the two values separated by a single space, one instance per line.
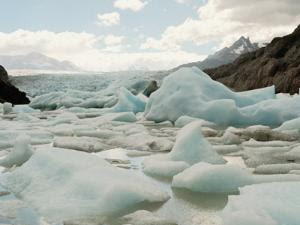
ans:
x=199 y=154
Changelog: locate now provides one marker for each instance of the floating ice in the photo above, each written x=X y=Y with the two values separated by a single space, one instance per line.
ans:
x=277 y=168
x=164 y=168
x=293 y=124
x=184 y=120
x=207 y=178
x=226 y=149
x=293 y=155
x=256 y=156
x=64 y=184
x=24 y=109
x=128 y=102
x=254 y=143
x=19 y=154
x=128 y=117
x=85 y=144
x=191 y=147
x=143 y=142
x=230 y=138
x=268 y=204
x=191 y=92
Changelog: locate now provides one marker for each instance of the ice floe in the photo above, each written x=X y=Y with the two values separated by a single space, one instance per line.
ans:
x=20 y=153
x=268 y=204
x=63 y=184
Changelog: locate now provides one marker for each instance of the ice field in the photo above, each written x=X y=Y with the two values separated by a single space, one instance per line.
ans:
x=194 y=152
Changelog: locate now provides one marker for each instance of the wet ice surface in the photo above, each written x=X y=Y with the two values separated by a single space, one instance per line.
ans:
x=126 y=145
x=184 y=206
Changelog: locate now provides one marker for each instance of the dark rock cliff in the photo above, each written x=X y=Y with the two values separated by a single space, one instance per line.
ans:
x=8 y=92
x=276 y=64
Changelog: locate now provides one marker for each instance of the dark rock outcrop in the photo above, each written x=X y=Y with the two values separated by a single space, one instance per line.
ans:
x=276 y=64
x=8 y=92
x=152 y=87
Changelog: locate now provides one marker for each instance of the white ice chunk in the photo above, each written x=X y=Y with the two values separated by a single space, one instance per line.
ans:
x=24 y=109
x=21 y=152
x=164 y=168
x=268 y=204
x=293 y=155
x=230 y=138
x=184 y=120
x=226 y=149
x=293 y=124
x=256 y=156
x=277 y=168
x=64 y=185
x=254 y=143
x=207 y=178
x=191 y=147
x=142 y=142
x=191 y=92
x=128 y=102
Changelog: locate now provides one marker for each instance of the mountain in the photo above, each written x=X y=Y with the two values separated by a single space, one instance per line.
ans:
x=276 y=64
x=225 y=55
x=35 y=61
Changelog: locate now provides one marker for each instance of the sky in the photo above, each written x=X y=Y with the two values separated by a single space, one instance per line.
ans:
x=113 y=35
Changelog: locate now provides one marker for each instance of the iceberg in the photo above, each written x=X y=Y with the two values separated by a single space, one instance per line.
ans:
x=190 y=148
x=127 y=102
x=191 y=92
x=65 y=185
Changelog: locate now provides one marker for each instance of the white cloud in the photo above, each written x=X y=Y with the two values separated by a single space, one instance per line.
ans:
x=108 y=19
x=152 y=43
x=91 y=52
x=224 y=21
x=113 y=40
x=134 y=5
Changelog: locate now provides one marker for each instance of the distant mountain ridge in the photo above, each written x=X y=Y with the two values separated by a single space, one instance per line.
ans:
x=35 y=61
x=276 y=64
x=224 y=56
